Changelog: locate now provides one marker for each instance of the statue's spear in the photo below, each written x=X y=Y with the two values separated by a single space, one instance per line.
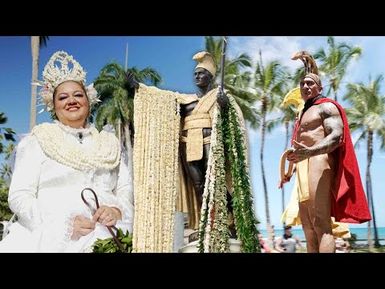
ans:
x=223 y=58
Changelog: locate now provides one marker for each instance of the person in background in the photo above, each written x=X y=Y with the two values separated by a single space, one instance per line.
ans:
x=288 y=242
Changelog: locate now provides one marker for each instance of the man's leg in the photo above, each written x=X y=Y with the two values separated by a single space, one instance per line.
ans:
x=320 y=180
x=195 y=172
x=312 y=244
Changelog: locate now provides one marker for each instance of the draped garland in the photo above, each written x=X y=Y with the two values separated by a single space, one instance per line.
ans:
x=213 y=227
x=155 y=169
x=235 y=149
x=227 y=140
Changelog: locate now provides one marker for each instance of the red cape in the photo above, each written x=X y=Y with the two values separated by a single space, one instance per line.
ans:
x=349 y=203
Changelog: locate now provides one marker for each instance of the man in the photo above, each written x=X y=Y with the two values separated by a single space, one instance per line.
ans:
x=208 y=132
x=328 y=180
x=288 y=242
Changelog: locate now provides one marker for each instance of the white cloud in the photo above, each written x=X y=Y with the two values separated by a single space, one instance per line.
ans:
x=282 y=47
x=273 y=48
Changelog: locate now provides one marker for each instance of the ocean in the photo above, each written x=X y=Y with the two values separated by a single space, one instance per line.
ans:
x=362 y=233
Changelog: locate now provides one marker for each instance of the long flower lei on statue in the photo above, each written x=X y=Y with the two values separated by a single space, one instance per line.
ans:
x=155 y=169
x=227 y=140
x=213 y=227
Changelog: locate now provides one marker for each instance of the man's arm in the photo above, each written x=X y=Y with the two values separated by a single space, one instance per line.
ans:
x=334 y=129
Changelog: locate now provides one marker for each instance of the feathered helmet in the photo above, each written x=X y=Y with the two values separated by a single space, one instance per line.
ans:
x=311 y=69
x=60 y=68
x=205 y=60
x=294 y=96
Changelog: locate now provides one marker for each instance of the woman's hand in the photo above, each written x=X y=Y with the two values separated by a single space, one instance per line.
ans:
x=107 y=216
x=82 y=227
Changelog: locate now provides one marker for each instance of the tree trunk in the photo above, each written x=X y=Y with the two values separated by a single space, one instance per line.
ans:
x=376 y=239
x=286 y=146
x=369 y=188
x=129 y=151
x=35 y=44
x=119 y=131
x=368 y=192
x=335 y=95
x=270 y=229
x=267 y=212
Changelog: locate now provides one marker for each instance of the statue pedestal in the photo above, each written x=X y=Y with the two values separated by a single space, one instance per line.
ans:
x=235 y=247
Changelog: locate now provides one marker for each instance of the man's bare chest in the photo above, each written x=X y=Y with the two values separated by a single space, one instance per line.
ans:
x=311 y=119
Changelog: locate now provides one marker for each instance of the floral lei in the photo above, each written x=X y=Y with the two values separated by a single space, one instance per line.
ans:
x=104 y=154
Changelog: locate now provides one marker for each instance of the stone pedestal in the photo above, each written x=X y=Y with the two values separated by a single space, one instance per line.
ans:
x=178 y=231
x=235 y=247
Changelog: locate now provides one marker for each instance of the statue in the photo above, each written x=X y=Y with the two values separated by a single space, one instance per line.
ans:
x=195 y=146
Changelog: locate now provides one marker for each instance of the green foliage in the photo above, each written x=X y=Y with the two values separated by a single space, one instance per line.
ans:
x=335 y=60
x=367 y=113
x=245 y=221
x=6 y=148
x=6 y=133
x=117 y=98
x=367 y=116
x=5 y=212
x=237 y=78
x=43 y=41
x=109 y=246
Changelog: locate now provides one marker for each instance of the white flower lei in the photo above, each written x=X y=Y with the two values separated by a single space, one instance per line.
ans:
x=104 y=154
x=156 y=169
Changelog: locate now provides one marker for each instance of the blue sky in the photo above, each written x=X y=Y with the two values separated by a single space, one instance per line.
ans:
x=171 y=57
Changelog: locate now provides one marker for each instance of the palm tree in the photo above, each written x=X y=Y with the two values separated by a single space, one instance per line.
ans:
x=5 y=132
x=117 y=106
x=117 y=101
x=367 y=115
x=6 y=171
x=335 y=62
x=269 y=84
x=36 y=43
x=288 y=117
x=237 y=79
x=5 y=212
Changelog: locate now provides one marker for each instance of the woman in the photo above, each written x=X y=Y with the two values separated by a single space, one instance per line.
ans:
x=57 y=161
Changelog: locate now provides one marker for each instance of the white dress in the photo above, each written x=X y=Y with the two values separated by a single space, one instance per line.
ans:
x=45 y=194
